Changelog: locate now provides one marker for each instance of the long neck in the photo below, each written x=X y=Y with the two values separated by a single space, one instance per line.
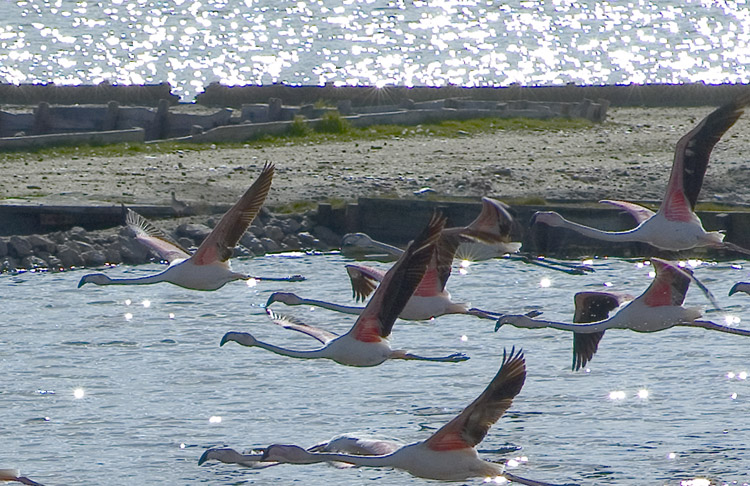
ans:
x=149 y=279
x=331 y=306
x=357 y=460
x=629 y=235
x=527 y=322
x=311 y=354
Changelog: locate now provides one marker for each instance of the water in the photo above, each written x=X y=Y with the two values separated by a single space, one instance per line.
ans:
x=127 y=385
x=374 y=42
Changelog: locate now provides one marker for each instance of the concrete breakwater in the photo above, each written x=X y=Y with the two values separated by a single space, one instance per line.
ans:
x=65 y=125
x=388 y=220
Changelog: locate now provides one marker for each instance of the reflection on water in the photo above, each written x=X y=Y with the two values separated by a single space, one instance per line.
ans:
x=88 y=394
x=376 y=43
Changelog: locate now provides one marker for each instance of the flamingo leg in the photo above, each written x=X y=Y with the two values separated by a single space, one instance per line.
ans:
x=453 y=358
x=569 y=268
x=718 y=327
x=531 y=482
x=291 y=278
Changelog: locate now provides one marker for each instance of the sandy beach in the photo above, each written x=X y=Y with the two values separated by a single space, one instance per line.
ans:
x=627 y=157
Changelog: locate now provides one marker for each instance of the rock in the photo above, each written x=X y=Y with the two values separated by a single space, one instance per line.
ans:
x=79 y=234
x=9 y=264
x=291 y=242
x=289 y=225
x=42 y=243
x=270 y=245
x=186 y=242
x=19 y=247
x=112 y=255
x=94 y=258
x=32 y=261
x=69 y=257
x=130 y=250
x=256 y=230
x=196 y=232
x=274 y=232
x=252 y=243
x=327 y=236
x=54 y=263
x=3 y=248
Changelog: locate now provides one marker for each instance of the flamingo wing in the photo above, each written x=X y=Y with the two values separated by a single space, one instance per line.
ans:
x=592 y=307
x=638 y=212
x=493 y=224
x=219 y=245
x=364 y=279
x=377 y=319
x=154 y=238
x=691 y=159
x=471 y=425
x=669 y=286
x=288 y=322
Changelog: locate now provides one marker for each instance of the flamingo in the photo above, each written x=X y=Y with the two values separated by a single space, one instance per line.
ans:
x=675 y=226
x=208 y=268
x=658 y=308
x=450 y=454
x=15 y=476
x=366 y=343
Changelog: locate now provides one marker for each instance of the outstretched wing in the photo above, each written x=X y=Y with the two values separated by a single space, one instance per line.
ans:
x=398 y=285
x=638 y=212
x=669 y=286
x=364 y=280
x=154 y=238
x=288 y=322
x=219 y=245
x=591 y=307
x=470 y=426
x=691 y=159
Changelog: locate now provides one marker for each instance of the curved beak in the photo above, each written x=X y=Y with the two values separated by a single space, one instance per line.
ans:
x=204 y=457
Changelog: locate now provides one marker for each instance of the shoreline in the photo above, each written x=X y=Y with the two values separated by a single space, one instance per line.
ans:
x=627 y=157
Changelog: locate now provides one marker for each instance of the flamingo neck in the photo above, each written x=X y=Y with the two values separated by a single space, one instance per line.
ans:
x=101 y=279
x=529 y=323
x=629 y=235
x=355 y=459
x=346 y=309
x=292 y=353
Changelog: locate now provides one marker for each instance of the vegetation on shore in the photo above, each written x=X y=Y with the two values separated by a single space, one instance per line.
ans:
x=331 y=129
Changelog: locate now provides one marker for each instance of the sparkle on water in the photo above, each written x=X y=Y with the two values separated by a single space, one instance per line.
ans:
x=462 y=42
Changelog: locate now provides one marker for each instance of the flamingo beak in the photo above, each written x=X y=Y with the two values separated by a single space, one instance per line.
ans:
x=499 y=324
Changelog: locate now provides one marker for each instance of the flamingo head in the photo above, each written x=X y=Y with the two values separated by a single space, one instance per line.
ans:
x=94 y=278
x=243 y=338
x=740 y=287
x=287 y=298
x=15 y=475
x=287 y=454
x=550 y=218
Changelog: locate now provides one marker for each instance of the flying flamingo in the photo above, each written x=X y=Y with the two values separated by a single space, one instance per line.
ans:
x=675 y=226
x=208 y=268
x=366 y=343
x=658 y=308
x=15 y=476
x=450 y=454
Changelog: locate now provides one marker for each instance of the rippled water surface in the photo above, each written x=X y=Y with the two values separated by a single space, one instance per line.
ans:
x=128 y=385
x=374 y=42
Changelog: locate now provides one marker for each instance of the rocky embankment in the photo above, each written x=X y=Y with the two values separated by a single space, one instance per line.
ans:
x=77 y=247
